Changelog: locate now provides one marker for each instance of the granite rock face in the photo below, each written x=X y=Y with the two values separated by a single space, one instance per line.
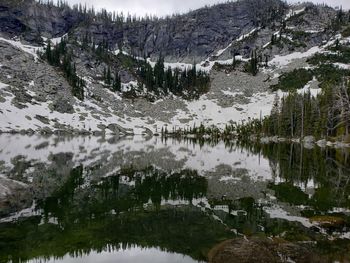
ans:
x=30 y=20
x=190 y=37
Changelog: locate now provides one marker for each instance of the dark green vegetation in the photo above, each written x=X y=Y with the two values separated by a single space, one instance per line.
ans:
x=324 y=70
x=294 y=80
x=253 y=65
x=296 y=167
x=189 y=83
x=200 y=131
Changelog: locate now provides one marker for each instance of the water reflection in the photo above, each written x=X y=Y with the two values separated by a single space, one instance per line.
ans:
x=101 y=199
x=125 y=255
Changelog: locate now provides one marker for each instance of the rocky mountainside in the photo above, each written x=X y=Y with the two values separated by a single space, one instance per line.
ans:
x=189 y=37
x=243 y=46
x=193 y=36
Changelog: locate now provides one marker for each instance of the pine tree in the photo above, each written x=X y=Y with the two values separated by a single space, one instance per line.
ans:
x=117 y=83
x=108 y=76
x=48 y=52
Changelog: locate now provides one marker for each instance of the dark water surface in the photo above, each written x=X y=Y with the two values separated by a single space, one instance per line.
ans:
x=89 y=199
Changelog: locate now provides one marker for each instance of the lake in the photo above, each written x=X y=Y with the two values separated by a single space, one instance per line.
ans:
x=93 y=199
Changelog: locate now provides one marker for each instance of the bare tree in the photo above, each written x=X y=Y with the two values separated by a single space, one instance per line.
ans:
x=342 y=107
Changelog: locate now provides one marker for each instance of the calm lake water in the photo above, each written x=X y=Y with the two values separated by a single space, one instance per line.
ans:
x=89 y=199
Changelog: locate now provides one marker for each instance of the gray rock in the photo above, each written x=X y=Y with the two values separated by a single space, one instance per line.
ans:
x=45 y=131
x=30 y=131
x=42 y=146
x=117 y=129
x=43 y=119
x=101 y=126
x=62 y=106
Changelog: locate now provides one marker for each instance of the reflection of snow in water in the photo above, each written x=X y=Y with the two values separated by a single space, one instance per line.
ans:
x=278 y=212
x=89 y=150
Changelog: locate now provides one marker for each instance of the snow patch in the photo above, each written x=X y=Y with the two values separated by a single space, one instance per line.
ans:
x=282 y=61
x=26 y=48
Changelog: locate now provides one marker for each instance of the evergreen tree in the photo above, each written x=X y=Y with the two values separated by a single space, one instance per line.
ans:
x=108 y=76
x=117 y=85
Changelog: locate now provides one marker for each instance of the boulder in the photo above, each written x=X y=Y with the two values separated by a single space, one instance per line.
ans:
x=45 y=131
x=62 y=106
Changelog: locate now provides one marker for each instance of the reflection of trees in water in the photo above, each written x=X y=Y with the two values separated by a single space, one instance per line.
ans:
x=125 y=191
x=111 y=213
x=327 y=170
x=249 y=218
x=186 y=231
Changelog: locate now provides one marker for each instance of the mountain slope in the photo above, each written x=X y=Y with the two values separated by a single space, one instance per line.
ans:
x=36 y=95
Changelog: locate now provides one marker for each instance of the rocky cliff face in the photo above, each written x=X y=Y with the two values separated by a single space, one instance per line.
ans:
x=31 y=20
x=191 y=37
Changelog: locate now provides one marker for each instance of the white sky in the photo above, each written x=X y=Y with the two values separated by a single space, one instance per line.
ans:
x=164 y=7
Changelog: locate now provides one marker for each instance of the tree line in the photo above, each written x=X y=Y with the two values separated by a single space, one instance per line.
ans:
x=298 y=115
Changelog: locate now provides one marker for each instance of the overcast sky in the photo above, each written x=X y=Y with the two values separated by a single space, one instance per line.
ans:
x=164 y=7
